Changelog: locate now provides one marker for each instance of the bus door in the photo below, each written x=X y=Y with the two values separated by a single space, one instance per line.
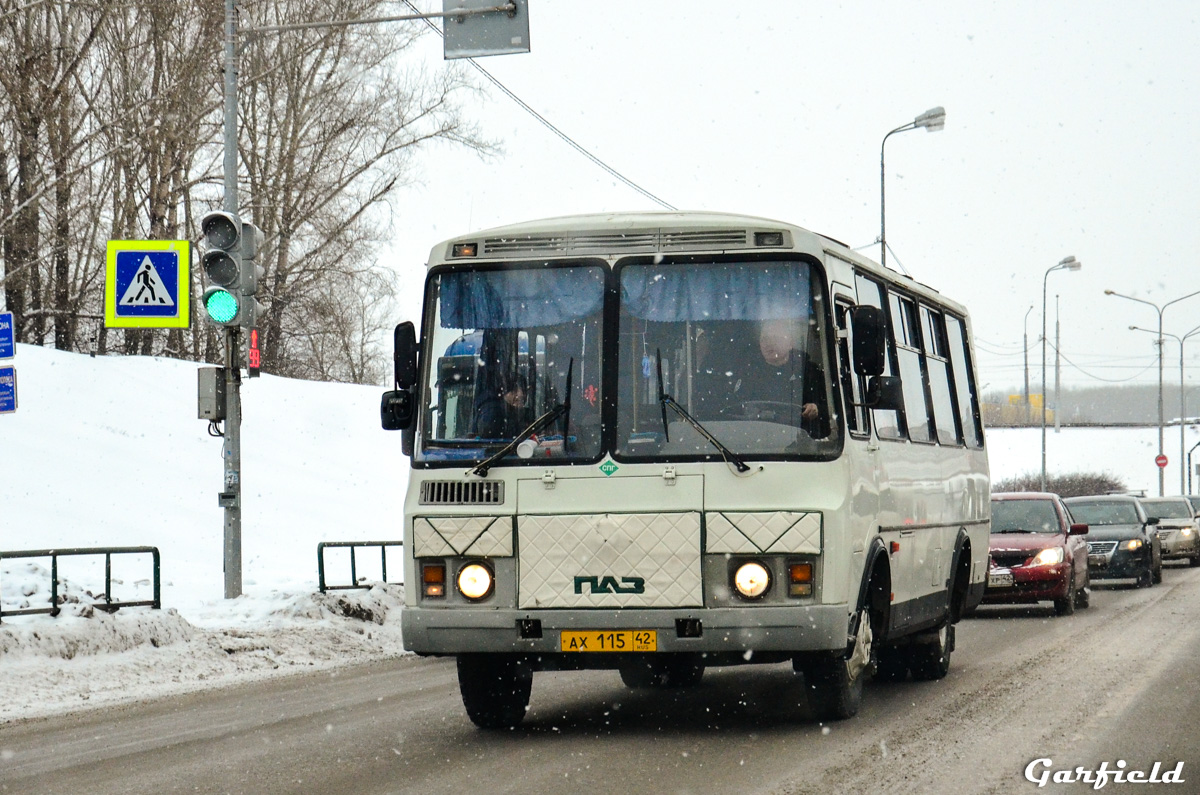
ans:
x=862 y=448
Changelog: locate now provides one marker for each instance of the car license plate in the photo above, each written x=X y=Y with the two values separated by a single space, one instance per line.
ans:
x=1096 y=560
x=1002 y=580
x=614 y=640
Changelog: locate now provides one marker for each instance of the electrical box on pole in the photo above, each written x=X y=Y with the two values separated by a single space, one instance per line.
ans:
x=210 y=394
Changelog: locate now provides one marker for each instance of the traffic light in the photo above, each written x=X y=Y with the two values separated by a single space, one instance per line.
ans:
x=231 y=262
x=222 y=263
x=251 y=272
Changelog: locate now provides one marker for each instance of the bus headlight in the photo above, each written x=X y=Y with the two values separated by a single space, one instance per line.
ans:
x=752 y=579
x=475 y=581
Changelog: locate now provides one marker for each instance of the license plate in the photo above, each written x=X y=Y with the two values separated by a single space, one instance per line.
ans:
x=615 y=640
x=1000 y=580
x=1096 y=560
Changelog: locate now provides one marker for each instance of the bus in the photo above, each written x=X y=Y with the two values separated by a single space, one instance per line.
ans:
x=660 y=442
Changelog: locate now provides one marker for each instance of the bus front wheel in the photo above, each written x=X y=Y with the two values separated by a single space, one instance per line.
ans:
x=495 y=689
x=835 y=682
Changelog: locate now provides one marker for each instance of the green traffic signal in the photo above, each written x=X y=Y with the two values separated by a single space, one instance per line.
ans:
x=221 y=305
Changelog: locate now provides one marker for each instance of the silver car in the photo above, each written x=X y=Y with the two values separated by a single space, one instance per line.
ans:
x=1177 y=527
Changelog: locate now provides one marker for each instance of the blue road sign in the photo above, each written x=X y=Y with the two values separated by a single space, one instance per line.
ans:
x=8 y=347
x=146 y=284
x=8 y=389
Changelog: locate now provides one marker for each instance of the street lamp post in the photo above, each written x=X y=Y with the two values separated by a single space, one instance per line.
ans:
x=1159 y=310
x=1070 y=264
x=932 y=120
x=1025 y=338
x=1182 y=391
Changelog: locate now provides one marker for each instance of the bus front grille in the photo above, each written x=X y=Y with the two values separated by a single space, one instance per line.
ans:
x=457 y=492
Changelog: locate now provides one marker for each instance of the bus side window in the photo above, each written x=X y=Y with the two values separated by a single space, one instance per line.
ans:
x=852 y=383
x=964 y=383
x=887 y=422
x=908 y=352
x=937 y=364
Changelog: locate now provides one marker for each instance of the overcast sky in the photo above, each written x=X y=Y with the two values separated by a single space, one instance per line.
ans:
x=1072 y=129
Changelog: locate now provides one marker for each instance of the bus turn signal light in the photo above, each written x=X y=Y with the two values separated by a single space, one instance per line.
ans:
x=433 y=579
x=800 y=579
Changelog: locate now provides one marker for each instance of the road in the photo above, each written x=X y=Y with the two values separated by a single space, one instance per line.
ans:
x=1117 y=681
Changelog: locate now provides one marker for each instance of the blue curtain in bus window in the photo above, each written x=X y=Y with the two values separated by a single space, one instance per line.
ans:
x=725 y=291
x=519 y=298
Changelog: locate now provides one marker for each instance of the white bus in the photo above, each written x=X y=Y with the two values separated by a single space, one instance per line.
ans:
x=658 y=442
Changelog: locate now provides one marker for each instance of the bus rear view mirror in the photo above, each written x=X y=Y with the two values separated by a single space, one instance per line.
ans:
x=870 y=335
x=396 y=410
x=405 y=345
x=885 y=392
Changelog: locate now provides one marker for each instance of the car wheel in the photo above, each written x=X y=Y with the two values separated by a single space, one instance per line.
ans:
x=1158 y=573
x=495 y=689
x=931 y=660
x=1083 y=597
x=1194 y=561
x=1146 y=578
x=1066 y=605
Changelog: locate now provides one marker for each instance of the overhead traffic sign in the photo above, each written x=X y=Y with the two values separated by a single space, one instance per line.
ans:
x=8 y=389
x=492 y=27
x=147 y=284
x=8 y=347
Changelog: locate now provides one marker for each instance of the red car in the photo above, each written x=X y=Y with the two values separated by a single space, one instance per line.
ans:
x=1037 y=553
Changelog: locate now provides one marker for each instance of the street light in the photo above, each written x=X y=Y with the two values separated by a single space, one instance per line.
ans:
x=1182 y=390
x=1070 y=264
x=1160 y=310
x=932 y=120
x=1025 y=340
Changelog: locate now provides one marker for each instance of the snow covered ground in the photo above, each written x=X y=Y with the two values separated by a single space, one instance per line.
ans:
x=108 y=452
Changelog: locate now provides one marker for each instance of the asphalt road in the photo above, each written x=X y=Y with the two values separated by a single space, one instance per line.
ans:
x=1117 y=681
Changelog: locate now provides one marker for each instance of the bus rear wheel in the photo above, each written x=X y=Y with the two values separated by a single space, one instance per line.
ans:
x=495 y=689
x=929 y=656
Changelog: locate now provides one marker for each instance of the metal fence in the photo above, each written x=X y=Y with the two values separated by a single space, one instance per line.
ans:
x=107 y=602
x=353 y=545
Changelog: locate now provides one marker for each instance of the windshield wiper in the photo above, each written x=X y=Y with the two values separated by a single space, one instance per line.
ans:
x=666 y=401
x=560 y=410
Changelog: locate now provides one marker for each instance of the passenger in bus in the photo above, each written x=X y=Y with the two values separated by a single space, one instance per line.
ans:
x=502 y=412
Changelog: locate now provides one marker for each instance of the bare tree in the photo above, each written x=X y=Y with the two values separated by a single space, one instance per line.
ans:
x=330 y=128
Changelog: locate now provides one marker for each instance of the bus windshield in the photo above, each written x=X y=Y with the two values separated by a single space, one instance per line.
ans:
x=741 y=347
x=506 y=346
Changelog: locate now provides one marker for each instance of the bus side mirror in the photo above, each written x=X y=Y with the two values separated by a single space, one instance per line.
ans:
x=885 y=392
x=405 y=346
x=396 y=410
x=870 y=335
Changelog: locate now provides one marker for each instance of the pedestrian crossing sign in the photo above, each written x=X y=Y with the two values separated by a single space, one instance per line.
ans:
x=147 y=284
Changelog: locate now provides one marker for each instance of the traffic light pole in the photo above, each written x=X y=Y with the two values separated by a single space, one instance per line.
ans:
x=231 y=450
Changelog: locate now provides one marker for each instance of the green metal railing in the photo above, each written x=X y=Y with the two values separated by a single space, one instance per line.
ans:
x=107 y=603
x=321 y=547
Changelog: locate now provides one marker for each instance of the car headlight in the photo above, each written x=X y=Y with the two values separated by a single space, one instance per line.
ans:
x=752 y=579
x=1186 y=532
x=1048 y=557
x=1133 y=544
x=475 y=581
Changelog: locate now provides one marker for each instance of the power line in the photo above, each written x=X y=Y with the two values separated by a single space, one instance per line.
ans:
x=548 y=125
